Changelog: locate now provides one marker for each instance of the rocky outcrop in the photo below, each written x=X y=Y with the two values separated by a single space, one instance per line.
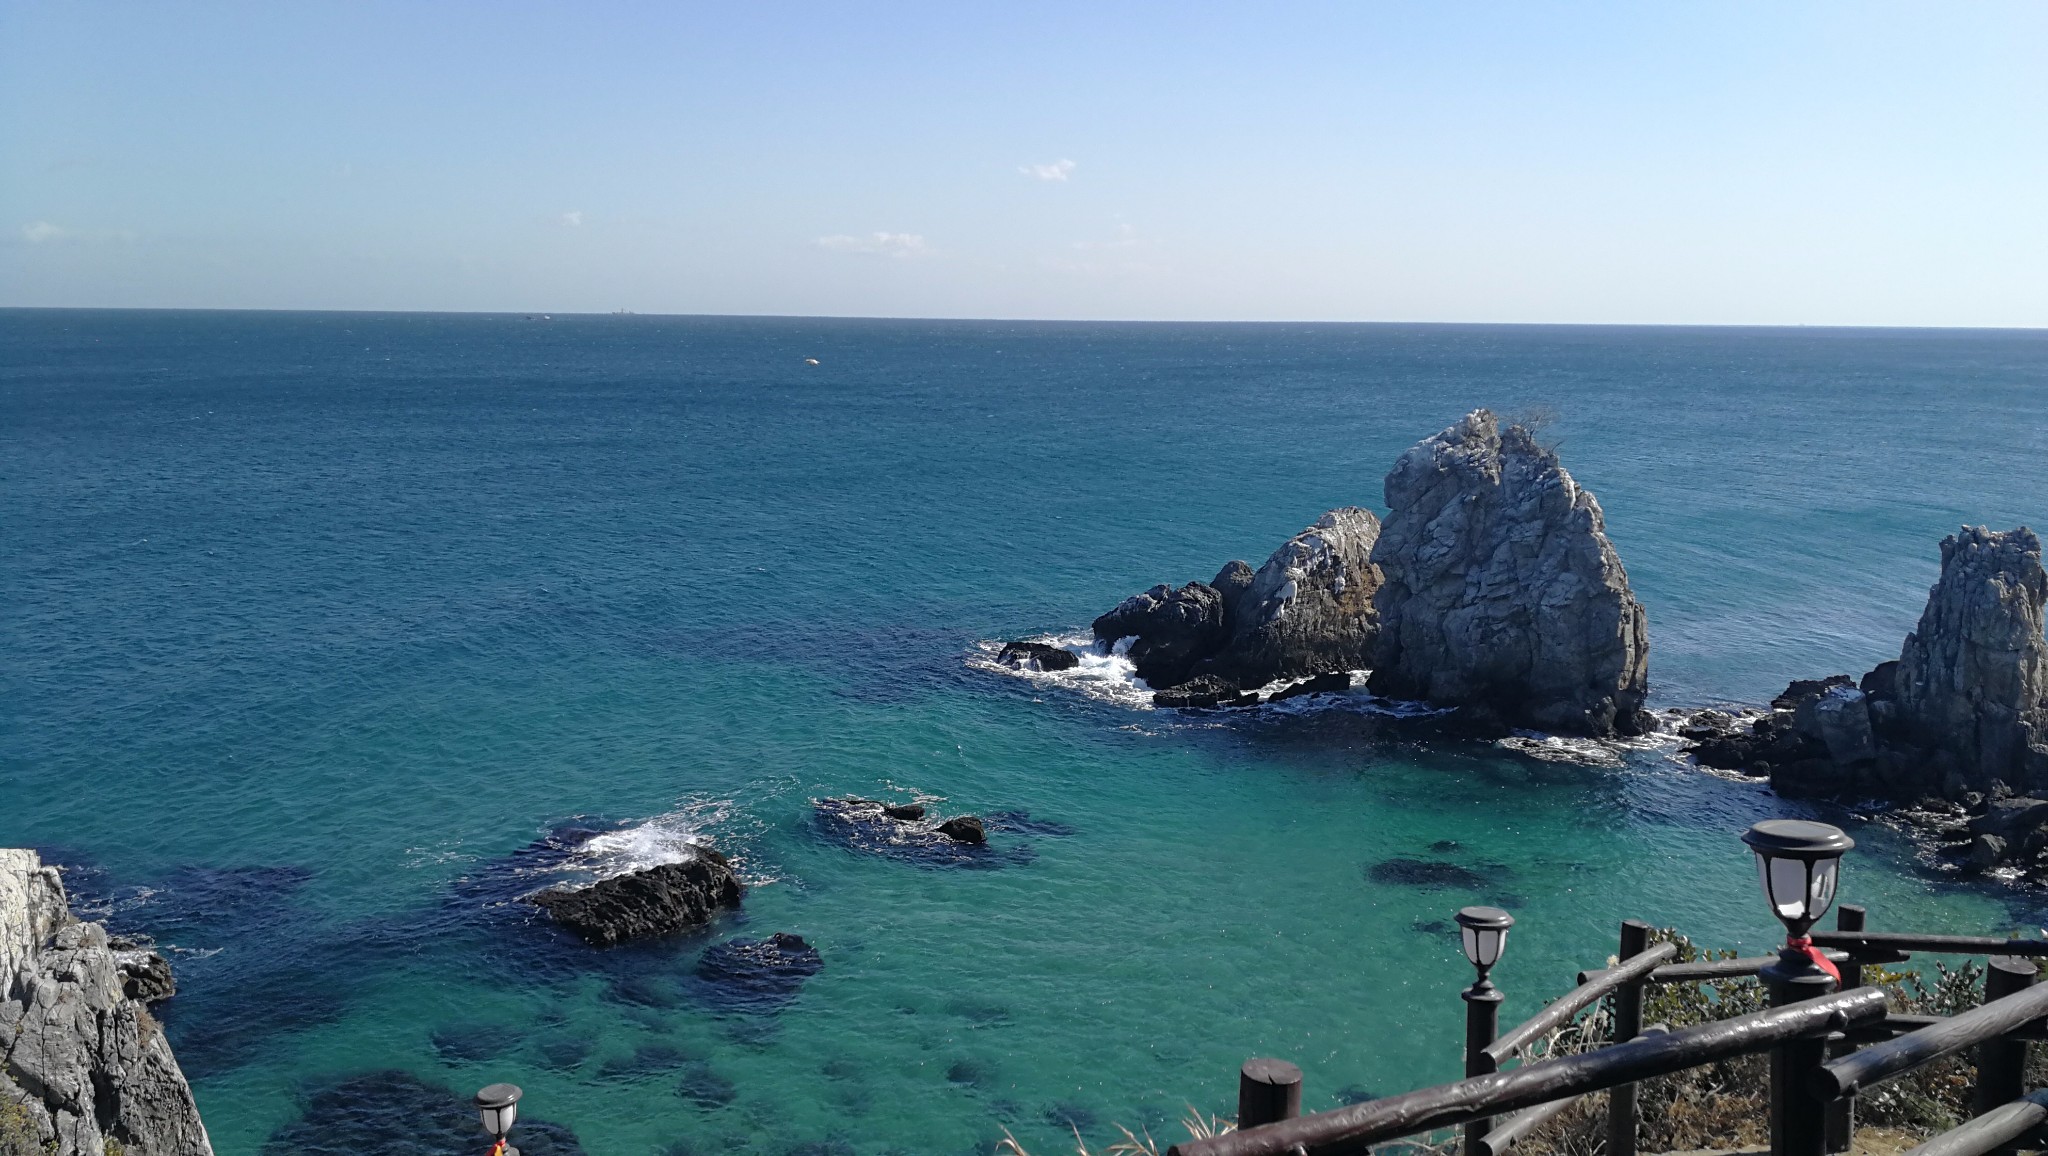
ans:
x=659 y=900
x=1973 y=676
x=86 y=1071
x=1170 y=629
x=1499 y=589
x=1958 y=716
x=1307 y=611
x=964 y=829
x=1042 y=656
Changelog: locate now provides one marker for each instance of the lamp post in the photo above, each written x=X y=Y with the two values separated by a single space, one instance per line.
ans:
x=1798 y=863
x=1484 y=932
x=497 y=1106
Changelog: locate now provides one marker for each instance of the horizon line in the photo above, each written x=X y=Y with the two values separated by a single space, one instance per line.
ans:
x=552 y=313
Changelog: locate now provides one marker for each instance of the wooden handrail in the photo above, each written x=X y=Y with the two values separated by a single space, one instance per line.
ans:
x=1519 y=1125
x=1353 y=1129
x=1843 y=1077
x=1592 y=986
x=1881 y=942
x=1993 y=1130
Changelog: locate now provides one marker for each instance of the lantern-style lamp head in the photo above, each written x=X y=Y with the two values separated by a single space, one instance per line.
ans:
x=497 y=1106
x=1797 y=861
x=1485 y=931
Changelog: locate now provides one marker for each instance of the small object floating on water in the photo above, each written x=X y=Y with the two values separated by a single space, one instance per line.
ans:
x=810 y=361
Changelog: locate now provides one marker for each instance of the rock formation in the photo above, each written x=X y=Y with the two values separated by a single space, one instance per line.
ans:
x=86 y=1070
x=1958 y=718
x=1307 y=611
x=1499 y=590
x=659 y=900
x=1037 y=656
x=1973 y=676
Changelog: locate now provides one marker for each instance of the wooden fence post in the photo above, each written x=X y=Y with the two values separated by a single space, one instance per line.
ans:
x=2002 y=1063
x=1842 y=1112
x=1268 y=1091
x=1628 y=1024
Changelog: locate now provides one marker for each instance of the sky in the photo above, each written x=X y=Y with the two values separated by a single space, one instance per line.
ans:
x=1655 y=162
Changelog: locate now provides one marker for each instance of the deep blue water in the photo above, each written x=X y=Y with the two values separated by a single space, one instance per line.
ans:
x=311 y=618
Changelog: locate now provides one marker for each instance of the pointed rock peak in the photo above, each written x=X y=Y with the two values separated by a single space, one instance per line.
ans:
x=1500 y=588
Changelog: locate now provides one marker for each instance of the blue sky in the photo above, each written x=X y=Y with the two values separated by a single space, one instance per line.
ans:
x=1778 y=163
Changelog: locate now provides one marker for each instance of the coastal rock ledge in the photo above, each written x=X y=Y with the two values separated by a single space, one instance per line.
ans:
x=86 y=1071
x=1307 y=611
x=658 y=900
x=1499 y=591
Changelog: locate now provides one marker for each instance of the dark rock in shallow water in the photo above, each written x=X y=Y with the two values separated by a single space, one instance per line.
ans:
x=865 y=825
x=1429 y=874
x=648 y=1060
x=903 y=810
x=398 y=1114
x=1806 y=689
x=1173 y=629
x=565 y=1053
x=760 y=976
x=473 y=1043
x=1204 y=693
x=1037 y=656
x=964 y=829
x=970 y=1073
x=657 y=901
x=1500 y=587
x=705 y=1088
x=1071 y=1116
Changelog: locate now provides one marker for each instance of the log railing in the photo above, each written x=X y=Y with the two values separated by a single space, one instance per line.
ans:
x=1824 y=1050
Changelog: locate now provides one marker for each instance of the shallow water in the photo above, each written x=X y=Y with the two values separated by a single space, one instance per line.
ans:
x=313 y=619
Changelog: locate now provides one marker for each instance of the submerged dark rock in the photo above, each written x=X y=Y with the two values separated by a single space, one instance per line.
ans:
x=659 y=900
x=398 y=1114
x=1037 y=656
x=1428 y=874
x=1334 y=683
x=757 y=976
x=1499 y=588
x=145 y=973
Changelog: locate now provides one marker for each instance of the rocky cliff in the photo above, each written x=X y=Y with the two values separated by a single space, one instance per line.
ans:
x=1500 y=592
x=1957 y=724
x=1973 y=676
x=84 y=1070
x=1307 y=611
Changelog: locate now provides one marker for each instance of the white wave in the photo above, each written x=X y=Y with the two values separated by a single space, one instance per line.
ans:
x=1103 y=673
x=675 y=837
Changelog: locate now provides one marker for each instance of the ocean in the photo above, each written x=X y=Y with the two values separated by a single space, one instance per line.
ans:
x=313 y=620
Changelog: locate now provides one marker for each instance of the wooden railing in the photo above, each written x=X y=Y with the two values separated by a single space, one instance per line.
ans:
x=1823 y=1050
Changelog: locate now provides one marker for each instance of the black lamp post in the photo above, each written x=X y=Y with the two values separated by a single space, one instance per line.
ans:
x=1798 y=863
x=497 y=1106
x=1484 y=931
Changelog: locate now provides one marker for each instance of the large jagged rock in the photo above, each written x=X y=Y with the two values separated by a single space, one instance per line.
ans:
x=1499 y=588
x=86 y=1071
x=1307 y=611
x=1973 y=675
x=658 y=900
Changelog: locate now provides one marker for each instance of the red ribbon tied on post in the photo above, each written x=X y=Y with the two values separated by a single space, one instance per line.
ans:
x=498 y=1149
x=1820 y=960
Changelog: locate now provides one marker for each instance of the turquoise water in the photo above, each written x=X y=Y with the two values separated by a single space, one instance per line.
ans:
x=312 y=619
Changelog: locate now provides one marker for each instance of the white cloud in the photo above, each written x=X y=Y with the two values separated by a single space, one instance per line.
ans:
x=1059 y=170
x=573 y=218
x=41 y=231
x=881 y=244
